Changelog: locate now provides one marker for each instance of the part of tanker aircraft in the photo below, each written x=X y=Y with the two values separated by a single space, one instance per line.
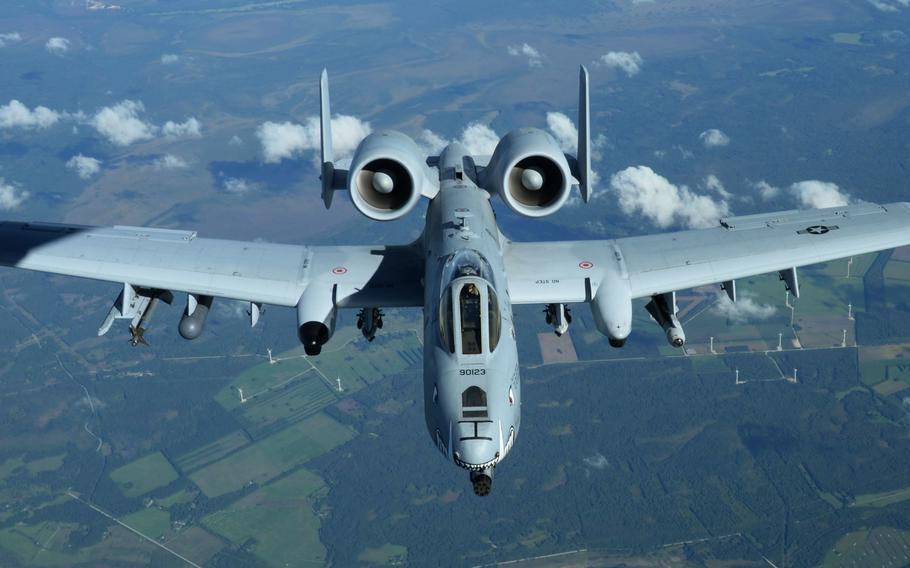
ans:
x=463 y=272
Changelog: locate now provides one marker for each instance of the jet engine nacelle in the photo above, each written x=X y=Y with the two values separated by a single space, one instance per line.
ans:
x=529 y=172
x=316 y=318
x=387 y=176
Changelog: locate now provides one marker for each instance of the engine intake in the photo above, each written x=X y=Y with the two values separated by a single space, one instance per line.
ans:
x=529 y=172
x=387 y=176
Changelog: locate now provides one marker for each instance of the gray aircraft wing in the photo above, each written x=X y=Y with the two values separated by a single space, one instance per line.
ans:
x=571 y=271
x=257 y=272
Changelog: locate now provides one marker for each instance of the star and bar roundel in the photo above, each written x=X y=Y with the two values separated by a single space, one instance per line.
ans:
x=817 y=230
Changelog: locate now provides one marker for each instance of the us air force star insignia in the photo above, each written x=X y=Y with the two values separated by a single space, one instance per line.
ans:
x=817 y=230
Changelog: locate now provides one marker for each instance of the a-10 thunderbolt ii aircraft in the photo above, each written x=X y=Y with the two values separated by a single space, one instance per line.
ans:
x=462 y=271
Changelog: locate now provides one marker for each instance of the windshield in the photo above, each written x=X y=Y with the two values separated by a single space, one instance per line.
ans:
x=468 y=313
x=469 y=304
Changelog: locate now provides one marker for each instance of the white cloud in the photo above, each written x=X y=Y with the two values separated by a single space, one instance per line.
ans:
x=765 y=190
x=713 y=138
x=84 y=166
x=8 y=38
x=169 y=162
x=624 y=60
x=819 y=194
x=535 y=59
x=431 y=142
x=479 y=139
x=11 y=197
x=890 y=5
x=235 y=141
x=237 y=186
x=286 y=139
x=744 y=309
x=564 y=131
x=169 y=59
x=57 y=45
x=121 y=124
x=712 y=183
x=641 y=190
x=191 y=128
x=17 y=115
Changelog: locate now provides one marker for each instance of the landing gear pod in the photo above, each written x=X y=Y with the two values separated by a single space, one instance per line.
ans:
x=612 y=311
x=193 y=320
x=316 y=318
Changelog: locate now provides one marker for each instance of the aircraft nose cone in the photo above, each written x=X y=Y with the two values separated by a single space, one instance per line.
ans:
x=531 y=179
x=476 y=452
x=383 y=182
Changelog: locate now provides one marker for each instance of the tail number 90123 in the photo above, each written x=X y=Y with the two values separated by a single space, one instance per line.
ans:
x=472 y=372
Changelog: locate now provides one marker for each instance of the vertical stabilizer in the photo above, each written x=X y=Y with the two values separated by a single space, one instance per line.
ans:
x=584 y=135
x=325 y=134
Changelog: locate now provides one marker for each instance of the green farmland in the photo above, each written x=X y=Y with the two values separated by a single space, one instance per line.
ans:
x=278 y=520
x=141 y=476
x=272 y=456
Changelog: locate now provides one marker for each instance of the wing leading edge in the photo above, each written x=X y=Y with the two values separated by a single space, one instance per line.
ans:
x=572 y=271
x=262 y=273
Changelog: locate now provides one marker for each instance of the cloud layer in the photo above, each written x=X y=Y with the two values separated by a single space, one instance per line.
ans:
x=84 y=166
x=535 y=59
x=641 y=190
x=191 y=128
x=57 y=45
x=286 y=140
x=744 y=309
x=713 y=138
x=629 y=62
x=809 y=194
x=11 y=196
x=819 y=194
x=890 y=5
x=8 y=38
x=17 y=115
x=121 y=123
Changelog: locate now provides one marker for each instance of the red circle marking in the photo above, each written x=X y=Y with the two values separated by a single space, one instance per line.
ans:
x=586 y=264
x=339 y=270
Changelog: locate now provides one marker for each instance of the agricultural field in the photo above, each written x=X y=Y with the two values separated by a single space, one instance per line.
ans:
x=881 y=499
x=211 y=452
x=362 y=363
x=888 y=365
x=144 y=474
x=279 y=521
x=272 y=456
x=881 y=546
x=152 y=522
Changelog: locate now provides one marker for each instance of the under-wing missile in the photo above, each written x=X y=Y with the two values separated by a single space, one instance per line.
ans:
x=662 y=308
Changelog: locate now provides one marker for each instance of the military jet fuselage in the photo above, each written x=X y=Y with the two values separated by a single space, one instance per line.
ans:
x=462 y=271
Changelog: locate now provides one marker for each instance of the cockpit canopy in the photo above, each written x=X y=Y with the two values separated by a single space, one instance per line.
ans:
x=469 y=318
